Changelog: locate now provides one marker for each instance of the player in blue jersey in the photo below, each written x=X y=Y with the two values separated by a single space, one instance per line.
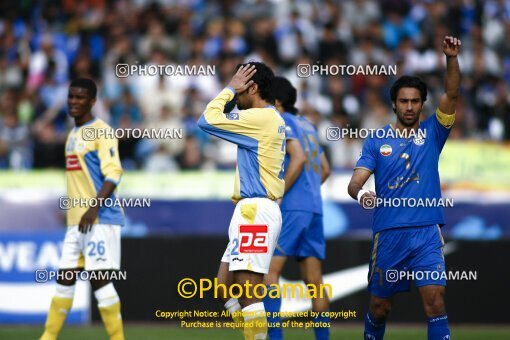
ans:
x=258 y=130
x=408 y=240
x=302 y=235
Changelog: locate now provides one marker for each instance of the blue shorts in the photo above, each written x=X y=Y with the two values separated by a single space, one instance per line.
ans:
x=403 y=254
x=302 y=235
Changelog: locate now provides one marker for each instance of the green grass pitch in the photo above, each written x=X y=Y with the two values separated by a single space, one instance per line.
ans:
x=147 y=331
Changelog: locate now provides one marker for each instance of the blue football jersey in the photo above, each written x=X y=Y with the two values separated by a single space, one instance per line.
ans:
x=305 y=193
x=407 y=168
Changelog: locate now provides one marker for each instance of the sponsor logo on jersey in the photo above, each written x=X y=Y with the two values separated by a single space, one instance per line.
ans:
x=253 y=239
x=72 y=163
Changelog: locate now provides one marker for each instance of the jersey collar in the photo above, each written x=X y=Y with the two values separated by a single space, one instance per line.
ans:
x=93 y=120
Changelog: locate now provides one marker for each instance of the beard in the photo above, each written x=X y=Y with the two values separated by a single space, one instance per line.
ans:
x=242 y=105
x=408 y=122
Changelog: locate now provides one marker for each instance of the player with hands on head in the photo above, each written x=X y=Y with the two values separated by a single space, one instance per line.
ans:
x=258 y=130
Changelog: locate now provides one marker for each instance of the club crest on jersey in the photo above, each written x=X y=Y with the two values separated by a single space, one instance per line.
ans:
x=232 y=116
x=419 y=141
x=79 y=146
x=385 y=150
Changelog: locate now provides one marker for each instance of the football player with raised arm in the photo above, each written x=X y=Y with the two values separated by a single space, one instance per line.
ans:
x=408 y=239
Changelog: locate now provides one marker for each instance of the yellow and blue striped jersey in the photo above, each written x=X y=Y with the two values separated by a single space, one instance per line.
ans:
x=90 y=162
x=260 y=137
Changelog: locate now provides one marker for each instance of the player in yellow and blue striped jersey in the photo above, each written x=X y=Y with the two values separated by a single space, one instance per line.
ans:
x=259 y=132
x=92 y=240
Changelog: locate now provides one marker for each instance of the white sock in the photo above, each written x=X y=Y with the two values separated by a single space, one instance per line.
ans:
x=233 y=305
x=66 y=292
x=106 y=296
x=254 y=311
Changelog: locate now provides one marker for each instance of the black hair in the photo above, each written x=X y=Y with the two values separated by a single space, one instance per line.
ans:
x=264 y=79
x=86 y=83
x=409 y=81
x=285 y=93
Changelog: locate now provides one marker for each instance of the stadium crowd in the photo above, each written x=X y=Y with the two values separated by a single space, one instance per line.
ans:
x=45 y=44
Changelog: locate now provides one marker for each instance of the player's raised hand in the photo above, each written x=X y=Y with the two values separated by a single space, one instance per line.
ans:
x=451 y=46
x=241 y=80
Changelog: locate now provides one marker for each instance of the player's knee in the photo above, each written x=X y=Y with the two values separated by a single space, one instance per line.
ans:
x=380 y=309
x=66 y=277
x=314 y=280
x=245 y=301
x=271 y=278
x=224 y=276
x=434 y=305
x=97 y=284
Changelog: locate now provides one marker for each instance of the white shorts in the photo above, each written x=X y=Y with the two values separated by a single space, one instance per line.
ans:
x=100 y=248
x=253 y=232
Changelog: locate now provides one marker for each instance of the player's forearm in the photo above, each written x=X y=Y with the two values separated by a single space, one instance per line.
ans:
x=452 y=81
x=106 y=190
x=216 y=107
x=353 y=189
x=293 y=171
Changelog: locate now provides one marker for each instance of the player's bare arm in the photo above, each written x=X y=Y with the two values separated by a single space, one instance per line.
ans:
x=87 y=220
x=451 y=49
x=326 y=169
x=241 y=80
x=358 y=180
x=297 y=161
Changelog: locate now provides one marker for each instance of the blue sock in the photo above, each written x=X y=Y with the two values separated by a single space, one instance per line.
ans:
x=272 y=305
x=373 y=330
x=438 y=328
x=322 y=333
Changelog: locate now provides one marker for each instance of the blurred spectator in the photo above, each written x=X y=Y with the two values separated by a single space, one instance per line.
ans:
x=47 y=59
x=191 y=157
x=43 y=46
x=125 y=113
x=15 y=152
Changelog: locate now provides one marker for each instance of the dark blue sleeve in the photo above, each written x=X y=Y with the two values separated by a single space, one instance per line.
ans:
x=230 y=105
x=368 y=156
x=290 y=128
